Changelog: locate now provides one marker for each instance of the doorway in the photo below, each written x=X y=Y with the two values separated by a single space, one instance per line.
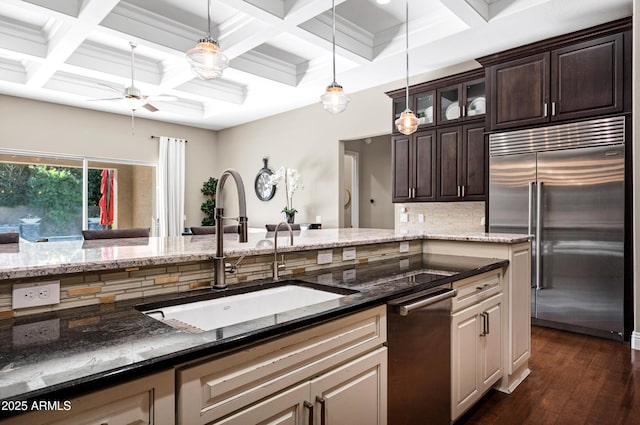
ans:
x=367 y=183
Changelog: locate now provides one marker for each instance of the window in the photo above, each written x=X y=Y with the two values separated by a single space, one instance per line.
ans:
x=43 y=198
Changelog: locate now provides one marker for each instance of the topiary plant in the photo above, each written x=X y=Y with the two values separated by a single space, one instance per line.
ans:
x=208 y=207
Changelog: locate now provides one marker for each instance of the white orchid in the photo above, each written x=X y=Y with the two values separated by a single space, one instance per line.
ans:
x=292 y=181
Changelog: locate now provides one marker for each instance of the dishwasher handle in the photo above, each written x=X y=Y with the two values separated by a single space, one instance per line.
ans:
x=406 y=309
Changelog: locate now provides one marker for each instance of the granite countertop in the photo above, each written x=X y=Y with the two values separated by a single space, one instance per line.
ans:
x=54 y=258
x=100 y=345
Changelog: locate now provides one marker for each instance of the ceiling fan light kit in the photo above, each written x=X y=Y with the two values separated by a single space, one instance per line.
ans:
x=334 y=100
x=408 y=122
x=206 y=59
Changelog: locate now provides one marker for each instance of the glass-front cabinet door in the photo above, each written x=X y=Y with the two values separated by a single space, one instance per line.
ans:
x=424 y=103
x=449 y=109
x=461 y=102
x=475 y=100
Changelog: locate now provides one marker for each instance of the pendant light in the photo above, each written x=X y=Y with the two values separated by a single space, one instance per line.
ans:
x=206 y=59
x=334 y=100
x=408 y=122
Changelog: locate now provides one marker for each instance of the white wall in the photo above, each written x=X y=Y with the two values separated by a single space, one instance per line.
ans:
x=43 y=127
x=308 y=139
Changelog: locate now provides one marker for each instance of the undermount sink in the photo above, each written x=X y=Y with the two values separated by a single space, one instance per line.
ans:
x=198 y=316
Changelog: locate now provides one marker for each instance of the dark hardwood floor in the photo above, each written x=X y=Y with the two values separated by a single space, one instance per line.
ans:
x=575 y=379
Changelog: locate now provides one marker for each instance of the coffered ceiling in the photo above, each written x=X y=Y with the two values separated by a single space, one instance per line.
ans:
x=72 y=51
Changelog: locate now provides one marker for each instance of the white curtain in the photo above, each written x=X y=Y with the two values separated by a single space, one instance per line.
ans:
x=171 y=186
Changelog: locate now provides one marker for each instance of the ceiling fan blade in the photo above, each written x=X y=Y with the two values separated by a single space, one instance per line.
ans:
x=149 y=107
x=107 y=98
x=162 y=98
x=113 y=89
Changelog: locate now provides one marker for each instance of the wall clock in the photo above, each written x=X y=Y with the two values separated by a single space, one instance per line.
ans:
x=264 y=191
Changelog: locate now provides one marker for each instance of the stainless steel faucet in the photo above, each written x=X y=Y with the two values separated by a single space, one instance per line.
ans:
x=276 y=265
x=218 y=261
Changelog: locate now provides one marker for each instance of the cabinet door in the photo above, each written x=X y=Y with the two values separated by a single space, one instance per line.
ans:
x=491 y=342
x=424 y=105
x=290 y=407
x=355 y=393
x=402 y=169
x=474 y=165
x=587 y=78
x=424 y=166
x=449 y=104
x=449 y=162
x=466 y=386
x=520 y=92
x=474 y=99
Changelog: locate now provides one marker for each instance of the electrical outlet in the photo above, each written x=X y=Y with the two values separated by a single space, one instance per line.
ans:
x=325 y=257
x=349 y=254
x=420 y=218
x=35 y=294
x=349 y=275
x=404 y=218
x=404 y=247
x=37 y=332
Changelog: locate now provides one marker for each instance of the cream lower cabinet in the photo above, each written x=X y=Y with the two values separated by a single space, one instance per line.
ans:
x=352 y=393
x=336 y=370
x=476 y=352
x=145 y=401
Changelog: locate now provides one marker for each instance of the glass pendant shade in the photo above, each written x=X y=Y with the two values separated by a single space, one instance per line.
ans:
x=334 y=100
x=206 y=59
x=133 y=103
x=408 y=122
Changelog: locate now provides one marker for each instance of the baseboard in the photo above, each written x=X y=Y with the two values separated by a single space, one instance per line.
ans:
x=635 y=340
x=508 y=384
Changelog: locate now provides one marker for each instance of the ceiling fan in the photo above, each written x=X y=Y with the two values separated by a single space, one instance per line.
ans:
x=132 y=98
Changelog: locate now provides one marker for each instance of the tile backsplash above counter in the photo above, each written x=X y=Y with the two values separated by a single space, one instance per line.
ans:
x=440 y=217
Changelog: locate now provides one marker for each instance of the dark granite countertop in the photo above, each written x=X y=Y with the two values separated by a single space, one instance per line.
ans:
x=90 y=347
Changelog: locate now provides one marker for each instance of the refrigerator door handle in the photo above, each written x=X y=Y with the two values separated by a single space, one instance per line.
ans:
x=538 y=236
x=529 y=221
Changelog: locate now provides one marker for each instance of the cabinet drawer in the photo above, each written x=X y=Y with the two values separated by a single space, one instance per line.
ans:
x=476 y=288
x=222 y=385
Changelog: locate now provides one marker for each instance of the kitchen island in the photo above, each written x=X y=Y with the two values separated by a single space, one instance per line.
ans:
x=99 y=340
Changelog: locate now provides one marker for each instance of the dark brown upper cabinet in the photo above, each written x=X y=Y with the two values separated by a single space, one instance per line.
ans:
x=574 y=76
x=422 y=104
x=413 y=160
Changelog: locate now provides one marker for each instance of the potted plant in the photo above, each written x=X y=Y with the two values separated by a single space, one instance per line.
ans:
x=208 y=207
x=292 y=182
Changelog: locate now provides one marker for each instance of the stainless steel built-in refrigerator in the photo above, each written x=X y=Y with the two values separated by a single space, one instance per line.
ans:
x=564 y=185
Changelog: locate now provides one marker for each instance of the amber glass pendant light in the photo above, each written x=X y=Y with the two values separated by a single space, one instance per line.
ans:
x=206 y=59
x=408 y=122
x=334 y=100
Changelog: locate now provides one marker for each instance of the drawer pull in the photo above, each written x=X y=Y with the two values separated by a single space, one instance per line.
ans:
x=483 y=287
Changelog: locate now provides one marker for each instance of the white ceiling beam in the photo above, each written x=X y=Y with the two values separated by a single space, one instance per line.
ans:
x=68 y=37
x=472 y=12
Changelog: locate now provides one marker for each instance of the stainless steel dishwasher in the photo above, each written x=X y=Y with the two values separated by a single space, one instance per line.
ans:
x=419 y=349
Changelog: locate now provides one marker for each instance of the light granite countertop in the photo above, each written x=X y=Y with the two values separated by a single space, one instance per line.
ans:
x=53 y=258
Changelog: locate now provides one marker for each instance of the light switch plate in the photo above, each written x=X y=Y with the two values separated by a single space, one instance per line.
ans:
x=325 y=257
x=420 y=218
x=35 y=294
x=404 y=247
x=404 y=218
x=349 y=253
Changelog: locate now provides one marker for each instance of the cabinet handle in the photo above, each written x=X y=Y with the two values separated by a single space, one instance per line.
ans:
x=458 y=191
x=463 y=191
x=553 y=109
x=309 y=406
x=322 y=402
x=487 y=322
x=545 y=109
x=483 y=287
x=464 y=111
x=484 y=324
x=413 y=192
